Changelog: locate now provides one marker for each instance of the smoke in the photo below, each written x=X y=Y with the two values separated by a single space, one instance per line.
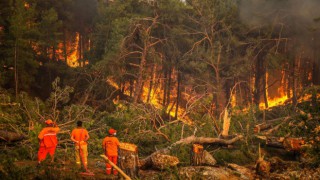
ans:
x=289 y=12
x=299 y=19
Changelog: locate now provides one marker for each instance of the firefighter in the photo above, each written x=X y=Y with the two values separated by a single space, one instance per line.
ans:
x=80 y=136
x=110 y=146
x=48 y=141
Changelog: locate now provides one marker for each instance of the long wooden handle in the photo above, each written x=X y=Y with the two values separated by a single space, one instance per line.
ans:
x=115 y=166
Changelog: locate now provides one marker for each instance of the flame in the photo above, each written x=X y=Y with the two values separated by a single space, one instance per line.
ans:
x=309 y=76
x=26 y=5
x=280 y=97
x=72 y=60
x=155 y=99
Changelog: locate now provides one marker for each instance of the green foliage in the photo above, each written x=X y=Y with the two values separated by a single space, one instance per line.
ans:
x=224 y=156
x=17 y=51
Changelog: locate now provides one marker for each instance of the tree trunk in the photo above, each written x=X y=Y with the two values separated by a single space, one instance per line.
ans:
x=54 y=53
x=15 y=70
x=178 y=95
x=293 y=83
x=152 y=79
x=80 y=60
x=168 y=88
x=315 y=70
x=257 y=80
x=131 y=88
x=139 y=83
x=65 y=53
x=164 y=86
x=220 y=95
x=265 y=87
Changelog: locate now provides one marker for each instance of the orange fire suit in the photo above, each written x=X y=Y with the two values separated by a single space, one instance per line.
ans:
x=110 y=145
x=48 y=142
x=81 y=147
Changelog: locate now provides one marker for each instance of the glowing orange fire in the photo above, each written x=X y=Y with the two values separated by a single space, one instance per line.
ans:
x=72 y=60
x=281 y=96
x=155 y=99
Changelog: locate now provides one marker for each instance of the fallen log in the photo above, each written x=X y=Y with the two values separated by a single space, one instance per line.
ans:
x=288 y=143
x=244 y=172
x=269 y=124
x=207 y=140
x=11 y=136
x=191 y=140
x=116 y=167
x=260 y=127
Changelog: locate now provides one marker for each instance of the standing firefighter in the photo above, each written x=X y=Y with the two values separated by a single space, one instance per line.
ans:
x=80 y=136
x=110 y=146
x=48 y=141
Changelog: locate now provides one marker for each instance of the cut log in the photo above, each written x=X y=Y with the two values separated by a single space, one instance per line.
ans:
x=11 y=136
x=162 y=161
x=293 y=144
x=275 y=142
x=288 y=143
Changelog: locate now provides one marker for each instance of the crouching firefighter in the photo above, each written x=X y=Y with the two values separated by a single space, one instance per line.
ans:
x=48 y=141
x=110 y=146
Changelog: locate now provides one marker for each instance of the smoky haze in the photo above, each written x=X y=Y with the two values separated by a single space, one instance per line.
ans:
x=300 y=19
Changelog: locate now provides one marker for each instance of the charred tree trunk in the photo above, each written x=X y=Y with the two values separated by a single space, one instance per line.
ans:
x=80 y=50
x=131 y=87
x=315 y=70
x=164 y=86
x=15 y=69
x=152 y=79
x=139 y=84
x=168 y=87
x=54 y=53
x=65 y=54
x=265 y=88
x=178 y=95
x=257 y=80
x=293 y=83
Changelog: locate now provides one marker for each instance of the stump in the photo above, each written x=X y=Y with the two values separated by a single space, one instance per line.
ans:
x=263 y=167
x=197 y=155
x=128 y=159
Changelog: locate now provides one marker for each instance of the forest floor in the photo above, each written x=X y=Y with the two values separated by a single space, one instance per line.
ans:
x=68 y=170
